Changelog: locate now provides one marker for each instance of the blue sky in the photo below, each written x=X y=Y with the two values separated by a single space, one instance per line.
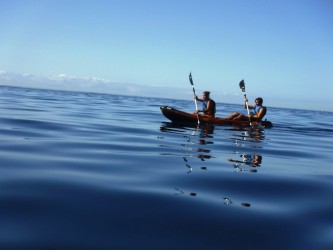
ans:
x=282 y=49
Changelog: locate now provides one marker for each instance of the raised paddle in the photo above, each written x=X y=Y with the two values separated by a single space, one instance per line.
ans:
x=195 y=100
x=242 y=87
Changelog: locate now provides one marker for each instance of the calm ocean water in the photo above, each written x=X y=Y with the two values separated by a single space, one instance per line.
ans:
x=94 y=171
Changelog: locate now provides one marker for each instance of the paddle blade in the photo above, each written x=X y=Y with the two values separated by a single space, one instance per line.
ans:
x=190 y=77
x=242 y=85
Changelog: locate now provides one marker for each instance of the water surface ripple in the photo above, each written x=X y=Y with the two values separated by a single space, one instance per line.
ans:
x=94 y=171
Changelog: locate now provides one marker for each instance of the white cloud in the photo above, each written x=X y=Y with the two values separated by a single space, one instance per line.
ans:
x=100 y=85
x=89 y=84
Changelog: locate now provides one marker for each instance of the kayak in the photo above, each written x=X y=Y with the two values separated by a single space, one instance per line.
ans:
x=176 y=115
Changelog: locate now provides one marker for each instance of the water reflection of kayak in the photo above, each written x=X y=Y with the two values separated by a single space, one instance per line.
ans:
x=176 y=115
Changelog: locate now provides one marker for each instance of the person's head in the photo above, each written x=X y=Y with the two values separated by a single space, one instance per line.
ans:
x=259 y=101
x=205 y=95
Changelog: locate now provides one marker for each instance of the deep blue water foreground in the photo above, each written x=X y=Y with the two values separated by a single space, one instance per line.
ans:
x=93 y=171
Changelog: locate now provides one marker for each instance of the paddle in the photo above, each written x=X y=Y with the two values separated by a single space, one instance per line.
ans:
x=195 y=100
x=242 y=87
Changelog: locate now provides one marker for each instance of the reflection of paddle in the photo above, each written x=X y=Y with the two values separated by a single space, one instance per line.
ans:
x=242 y=87
x=195 y=100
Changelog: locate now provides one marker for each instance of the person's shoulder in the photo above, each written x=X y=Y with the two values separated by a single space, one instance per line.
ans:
x=212 y=102
x=263 y=112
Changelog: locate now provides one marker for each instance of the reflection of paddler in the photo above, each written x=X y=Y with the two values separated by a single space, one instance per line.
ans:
x=206 y=132
x=254 y=160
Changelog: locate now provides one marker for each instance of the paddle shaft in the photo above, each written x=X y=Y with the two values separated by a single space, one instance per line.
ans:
x=195 y=100
x=247 y=105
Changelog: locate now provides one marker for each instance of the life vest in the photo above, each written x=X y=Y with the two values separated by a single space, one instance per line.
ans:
x=255 y=111
x=212 y=107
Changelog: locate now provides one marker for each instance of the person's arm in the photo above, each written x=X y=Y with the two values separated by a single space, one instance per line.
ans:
x=198 y=99
x=262 y=112
x=250 y=106
x=208 y=105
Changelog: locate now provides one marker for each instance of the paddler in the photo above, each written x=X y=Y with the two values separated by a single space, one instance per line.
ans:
x=208 y=105
x=256 y=114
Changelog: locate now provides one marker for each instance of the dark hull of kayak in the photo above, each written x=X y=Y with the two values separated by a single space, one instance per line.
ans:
x=176 y=115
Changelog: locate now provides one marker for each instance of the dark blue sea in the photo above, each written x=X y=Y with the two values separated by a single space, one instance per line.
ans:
x=97 y=171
